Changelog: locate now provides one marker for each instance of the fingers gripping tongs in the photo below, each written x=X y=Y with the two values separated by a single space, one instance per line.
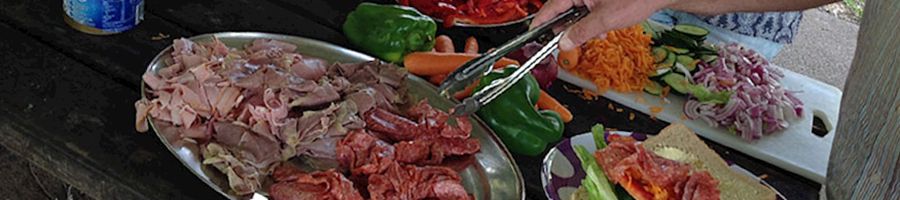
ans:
x=473 y=70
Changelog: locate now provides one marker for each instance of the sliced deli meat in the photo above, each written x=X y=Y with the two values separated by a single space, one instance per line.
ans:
x=262 y=105
x=250 y=110
x=293 y=184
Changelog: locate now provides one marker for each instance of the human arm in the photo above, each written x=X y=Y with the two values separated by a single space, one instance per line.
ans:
x=607 y=15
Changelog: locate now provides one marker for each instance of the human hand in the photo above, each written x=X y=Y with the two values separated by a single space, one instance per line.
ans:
x=605 y=16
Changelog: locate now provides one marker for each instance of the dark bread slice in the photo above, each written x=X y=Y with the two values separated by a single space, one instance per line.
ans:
x=678 y=142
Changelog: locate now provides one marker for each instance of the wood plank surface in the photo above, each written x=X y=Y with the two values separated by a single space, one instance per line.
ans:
x=123 y=57
x=78 y=124
x=242 y=15
x=865 y=156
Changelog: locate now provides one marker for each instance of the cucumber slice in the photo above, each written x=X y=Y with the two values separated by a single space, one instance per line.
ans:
x=689 y=63
x=661 y=71
x=709 y=58
x=668 y=63
x=659 y=54
x=678 y=82
x=648 y=30
x=692 y=30
x=677 y=39
x=677 y=50
x=654 y=88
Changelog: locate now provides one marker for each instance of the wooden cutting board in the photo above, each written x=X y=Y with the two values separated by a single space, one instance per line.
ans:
x=795 y=149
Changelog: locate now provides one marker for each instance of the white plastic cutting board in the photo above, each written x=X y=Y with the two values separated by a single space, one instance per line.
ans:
x=795 y=149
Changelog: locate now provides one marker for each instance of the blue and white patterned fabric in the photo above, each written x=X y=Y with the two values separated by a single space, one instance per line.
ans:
x=764 y=32
x=778 y=27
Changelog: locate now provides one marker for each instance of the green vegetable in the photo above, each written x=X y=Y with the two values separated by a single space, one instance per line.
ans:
x=389 y=31
x=678 y=82
x=513 y=117
x=648 y=30
x=692 y=30
x=669 y=62
x=661 y=71
x=659 y=54
x=706 y=96
x=598 y=131
x=653 y=88
x=677 y=50
x=709 y=58
x=595 y=181
x=689 y=63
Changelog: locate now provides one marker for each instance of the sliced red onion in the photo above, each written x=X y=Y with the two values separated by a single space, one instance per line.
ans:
x=759 y=102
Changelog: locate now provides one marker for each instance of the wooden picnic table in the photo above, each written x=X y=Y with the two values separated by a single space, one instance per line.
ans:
x=67 y=98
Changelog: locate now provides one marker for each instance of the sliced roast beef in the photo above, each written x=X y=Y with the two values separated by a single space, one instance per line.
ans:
x=364 y=154
x=393 y=126
x=411 y=182
x=433 y=151
x=292 y=184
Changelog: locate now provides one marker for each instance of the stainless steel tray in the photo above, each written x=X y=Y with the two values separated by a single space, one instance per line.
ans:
x=494 y=175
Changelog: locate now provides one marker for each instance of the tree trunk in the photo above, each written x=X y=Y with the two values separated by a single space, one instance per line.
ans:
x=865 y=156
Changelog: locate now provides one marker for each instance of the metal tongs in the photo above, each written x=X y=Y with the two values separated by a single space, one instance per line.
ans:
x=473 y=70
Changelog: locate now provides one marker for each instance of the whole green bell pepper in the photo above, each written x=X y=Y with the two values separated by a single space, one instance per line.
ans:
x=513 y=117
x=389 y=31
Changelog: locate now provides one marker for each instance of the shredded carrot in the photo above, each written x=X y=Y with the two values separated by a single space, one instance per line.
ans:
x=621 y=62
x=655 y=110
x=665 y=92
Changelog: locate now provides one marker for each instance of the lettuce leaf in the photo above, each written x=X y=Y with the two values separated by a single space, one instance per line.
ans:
x=706 y=96
x=595 y=182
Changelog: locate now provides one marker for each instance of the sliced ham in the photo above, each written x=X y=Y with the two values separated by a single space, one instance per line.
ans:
x=323 y=94
x=242 y=178
x=309 y=68
x=262 y=44
x=143 y=111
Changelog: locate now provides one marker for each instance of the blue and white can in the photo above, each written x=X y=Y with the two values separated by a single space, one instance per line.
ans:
x=103 y=17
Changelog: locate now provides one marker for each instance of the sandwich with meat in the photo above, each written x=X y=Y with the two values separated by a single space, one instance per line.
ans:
x=675 y=164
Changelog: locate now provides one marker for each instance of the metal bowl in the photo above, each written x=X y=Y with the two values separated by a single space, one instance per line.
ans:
x=493 y=175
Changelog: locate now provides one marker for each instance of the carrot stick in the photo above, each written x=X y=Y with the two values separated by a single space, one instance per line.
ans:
x=444 y=44
x=437 y=63
x=471 y=45
x=466 y=92
x=547 y=102
x=437 y=79
x=569 y=59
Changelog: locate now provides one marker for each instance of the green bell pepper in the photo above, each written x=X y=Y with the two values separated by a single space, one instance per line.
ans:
x=389 y=31
x=513 y=117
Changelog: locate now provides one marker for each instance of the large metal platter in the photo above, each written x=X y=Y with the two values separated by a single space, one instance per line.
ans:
x=494 y=174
